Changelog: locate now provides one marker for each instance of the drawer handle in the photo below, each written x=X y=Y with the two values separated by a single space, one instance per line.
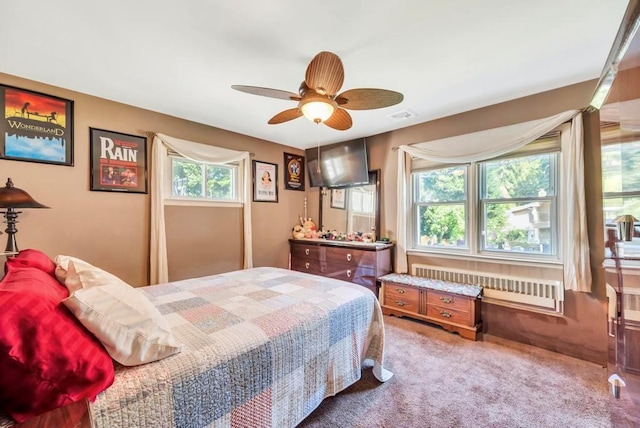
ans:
x=306 y=265
x=400 y=303
x=446 y=299
x=349 y=273
x=446 y=314
x=348 y=257
x=401 y=290
x=306 y=251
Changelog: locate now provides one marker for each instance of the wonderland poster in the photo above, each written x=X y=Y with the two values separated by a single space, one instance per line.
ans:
x=36 y=127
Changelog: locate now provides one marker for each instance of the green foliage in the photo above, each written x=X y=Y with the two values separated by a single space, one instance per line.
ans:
x=518 y=178
x=442 y=224
x=443 y=185
x=218 y=182
x=442 y=221
x=187 y=179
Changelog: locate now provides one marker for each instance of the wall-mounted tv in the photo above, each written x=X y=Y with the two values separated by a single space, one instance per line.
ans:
x=341 y=164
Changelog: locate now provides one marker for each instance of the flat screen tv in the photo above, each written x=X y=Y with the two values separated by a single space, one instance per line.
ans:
x=341 y=164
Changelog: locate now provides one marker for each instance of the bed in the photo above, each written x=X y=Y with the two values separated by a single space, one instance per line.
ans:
x=261 y=347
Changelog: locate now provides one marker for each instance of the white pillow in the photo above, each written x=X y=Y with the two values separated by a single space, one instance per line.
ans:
x=131 y=329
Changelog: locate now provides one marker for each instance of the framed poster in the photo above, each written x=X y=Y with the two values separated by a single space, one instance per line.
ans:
x=294 y=174
x=265 y=182
x=338 y=198
x=36 y=127
x=118 y=161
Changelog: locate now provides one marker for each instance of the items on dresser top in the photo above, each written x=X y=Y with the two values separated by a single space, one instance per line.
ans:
x=357 y=262
x=453 y=306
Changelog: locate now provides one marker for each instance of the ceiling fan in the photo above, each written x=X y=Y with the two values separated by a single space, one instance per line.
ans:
x=318 y=97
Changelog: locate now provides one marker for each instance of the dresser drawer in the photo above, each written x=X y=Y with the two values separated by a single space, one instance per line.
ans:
x=400 y=297
x=305 y=251
x=448 y=300
x=306 y=265
x=450 y=315
x=351 y=257
x=357 y=275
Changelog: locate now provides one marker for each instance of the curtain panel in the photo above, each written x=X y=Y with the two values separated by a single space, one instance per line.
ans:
x=491 y=143
x=199 y=153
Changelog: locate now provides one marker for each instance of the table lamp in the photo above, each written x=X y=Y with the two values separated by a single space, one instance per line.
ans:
x=13 y=198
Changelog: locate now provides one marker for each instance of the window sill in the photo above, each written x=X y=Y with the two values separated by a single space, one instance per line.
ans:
x=501 y=259
x=202 y=203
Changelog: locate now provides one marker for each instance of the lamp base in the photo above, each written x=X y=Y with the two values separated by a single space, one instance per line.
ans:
x=11 y=216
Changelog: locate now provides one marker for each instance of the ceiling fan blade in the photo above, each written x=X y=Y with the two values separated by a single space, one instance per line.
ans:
x=267 y=92
x=340 y=120
x=368 y=98
x=285 y=116
x=325 y=73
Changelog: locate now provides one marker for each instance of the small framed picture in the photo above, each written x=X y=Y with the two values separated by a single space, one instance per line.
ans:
x=265 y=182
x=36 y=127
x=338 y=198
x=294 y=172
x=118 y=161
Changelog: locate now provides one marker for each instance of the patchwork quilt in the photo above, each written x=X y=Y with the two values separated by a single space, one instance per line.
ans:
x=261 y=348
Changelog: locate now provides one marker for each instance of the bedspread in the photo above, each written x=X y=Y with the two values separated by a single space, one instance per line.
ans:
x=261 y=348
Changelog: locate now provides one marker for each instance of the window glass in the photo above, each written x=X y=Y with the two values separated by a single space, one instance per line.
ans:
x=520 y=177
x=518 y=209
x=197 y=180
x=441 y=207
x=504 y=205
x=621 y=167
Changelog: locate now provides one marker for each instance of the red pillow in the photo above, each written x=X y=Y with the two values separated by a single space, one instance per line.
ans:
x=32 y=258
x=47 y=359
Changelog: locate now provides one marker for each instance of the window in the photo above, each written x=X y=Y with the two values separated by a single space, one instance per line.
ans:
x=620 y=180
x=203 y=182
x=518 y=204
x=507 y=205
x=441 y=207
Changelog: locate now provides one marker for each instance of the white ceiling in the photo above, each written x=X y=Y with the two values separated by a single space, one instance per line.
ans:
x=181 y=57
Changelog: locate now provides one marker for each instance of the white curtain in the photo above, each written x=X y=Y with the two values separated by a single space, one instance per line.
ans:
x=483 y=145
x=199 y=153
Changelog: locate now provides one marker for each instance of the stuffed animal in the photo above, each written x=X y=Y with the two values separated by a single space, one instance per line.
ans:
x=309 y=225
x=298 y=232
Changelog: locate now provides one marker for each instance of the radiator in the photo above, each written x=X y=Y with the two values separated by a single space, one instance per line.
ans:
x=521 y=292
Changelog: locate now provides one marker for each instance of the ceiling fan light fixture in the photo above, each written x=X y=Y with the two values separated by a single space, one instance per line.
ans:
x=317 y=110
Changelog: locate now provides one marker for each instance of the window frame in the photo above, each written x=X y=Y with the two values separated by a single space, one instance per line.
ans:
x=621 y=194
x=236 y=184
x=416 y=205
x=474 y=221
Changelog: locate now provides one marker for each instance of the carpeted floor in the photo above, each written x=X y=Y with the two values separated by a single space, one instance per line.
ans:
x=442 y=380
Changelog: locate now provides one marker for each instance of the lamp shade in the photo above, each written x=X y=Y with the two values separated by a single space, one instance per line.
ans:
x=317 y=108
x=12 y=197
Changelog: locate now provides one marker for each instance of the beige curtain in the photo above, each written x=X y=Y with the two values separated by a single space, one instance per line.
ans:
x=199 y=153
x=479 y=146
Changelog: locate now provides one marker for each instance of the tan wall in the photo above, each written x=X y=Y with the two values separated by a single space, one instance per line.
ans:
x=111 y=230
x=582 y=331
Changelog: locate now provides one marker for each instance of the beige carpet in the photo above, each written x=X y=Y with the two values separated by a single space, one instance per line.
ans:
x=442 y=380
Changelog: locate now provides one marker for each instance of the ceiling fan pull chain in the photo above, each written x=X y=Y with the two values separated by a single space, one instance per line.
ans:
x=318 y=139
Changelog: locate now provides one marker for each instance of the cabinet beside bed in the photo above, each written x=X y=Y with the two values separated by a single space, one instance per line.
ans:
x=359 y=263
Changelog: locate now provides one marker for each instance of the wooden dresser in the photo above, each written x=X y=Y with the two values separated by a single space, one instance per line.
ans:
x=355 y=262
x=454 y=307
